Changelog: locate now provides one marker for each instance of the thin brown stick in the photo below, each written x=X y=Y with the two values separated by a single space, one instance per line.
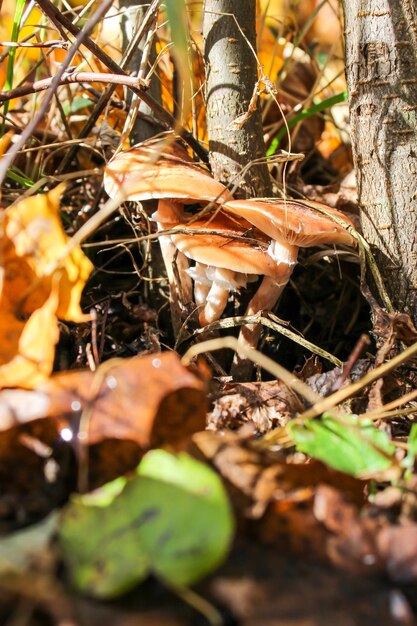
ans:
x=10 y=155
x=74 y=77
x=151 y=14
x=52 y=43
x=56 y=16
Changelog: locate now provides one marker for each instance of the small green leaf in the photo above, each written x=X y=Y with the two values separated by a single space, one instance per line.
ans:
x=77 y=104
x=176 y=11
x=172 y=519
x=19 y=177
x=349 y=445
x=409 y=460
x=303 y=115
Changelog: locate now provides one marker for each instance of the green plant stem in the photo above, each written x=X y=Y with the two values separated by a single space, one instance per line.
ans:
x=20 y=5
x=305 y=114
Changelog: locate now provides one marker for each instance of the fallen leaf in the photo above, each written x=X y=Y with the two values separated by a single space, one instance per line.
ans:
x=151 y=399
x=126 y=407
x=265 y=477
x=266 y=405
x=35 y=252
x=42 y=281
x=27 y=350
x=348 y=444
x=397 y=545
x=172 y=519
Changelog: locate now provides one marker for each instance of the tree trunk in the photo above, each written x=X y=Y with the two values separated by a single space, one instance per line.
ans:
x=231 y=75
x=131 y=17
x=381 y=68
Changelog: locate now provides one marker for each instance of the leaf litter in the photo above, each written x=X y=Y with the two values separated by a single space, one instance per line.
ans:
x=143 y=473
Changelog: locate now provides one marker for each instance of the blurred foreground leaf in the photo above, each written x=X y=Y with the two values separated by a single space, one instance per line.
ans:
x=19 y=550
x=354 y=446
x=171 y=519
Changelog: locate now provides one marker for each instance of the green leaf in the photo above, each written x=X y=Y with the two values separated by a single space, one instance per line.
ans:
x=304 y=114
x=8 y=83
x=349 y=445
x=19 y=177
x=177 y=18
x=409 y=460
x=77 y=104
x=172 y=519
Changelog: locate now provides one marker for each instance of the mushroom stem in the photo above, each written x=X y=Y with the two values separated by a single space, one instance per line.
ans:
x=264 y=299
x=223 y=282
x=176 y=263
x=202 y=283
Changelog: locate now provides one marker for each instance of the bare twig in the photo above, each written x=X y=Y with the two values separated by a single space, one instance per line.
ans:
x=74 y=77
x=56 y=16
x=10 y=155
x=52 y=43
x=108 y=92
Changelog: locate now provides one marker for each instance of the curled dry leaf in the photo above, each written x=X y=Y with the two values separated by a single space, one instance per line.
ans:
x=27 y=348
x=265 y=405
x=42 y=281
x=36 y=253
x=123 y=409
x=151 y=400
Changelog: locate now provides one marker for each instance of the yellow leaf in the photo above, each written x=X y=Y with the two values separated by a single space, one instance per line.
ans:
x=41 y=280
x=34 y=244
x=5 y=142
x=271 y=53
x=27 y=348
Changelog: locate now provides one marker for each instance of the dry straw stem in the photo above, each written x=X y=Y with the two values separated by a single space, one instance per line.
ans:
x=329 y=403
x=256 y=357
x=10 y=155
x=391 y=409
x=269 y=321
x=281 y=437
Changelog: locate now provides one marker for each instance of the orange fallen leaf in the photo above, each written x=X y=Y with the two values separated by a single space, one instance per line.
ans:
x=27 y=348
x=33 y=227
x=42 y=281
x=123 y=409
x=152 y=400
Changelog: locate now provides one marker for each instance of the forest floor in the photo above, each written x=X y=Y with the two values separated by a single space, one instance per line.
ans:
x=142 y=483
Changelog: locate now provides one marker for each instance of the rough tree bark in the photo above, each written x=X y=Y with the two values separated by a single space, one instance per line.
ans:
x=381 y=68
x=231 y=75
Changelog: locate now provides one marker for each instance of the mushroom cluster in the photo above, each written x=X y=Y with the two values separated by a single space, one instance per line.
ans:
x=291 y=225
x=236 y=243
x=162 y=170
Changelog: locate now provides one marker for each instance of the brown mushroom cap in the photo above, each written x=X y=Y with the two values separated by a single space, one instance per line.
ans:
x=143 y=174
x=226 y=251
x=293 y=222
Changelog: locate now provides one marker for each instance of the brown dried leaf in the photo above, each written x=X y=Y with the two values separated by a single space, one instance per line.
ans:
x=150 y=399
x=42 y=280
x=123 y=409
x=397 y=546
x=265 y=405
x=264 y=477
